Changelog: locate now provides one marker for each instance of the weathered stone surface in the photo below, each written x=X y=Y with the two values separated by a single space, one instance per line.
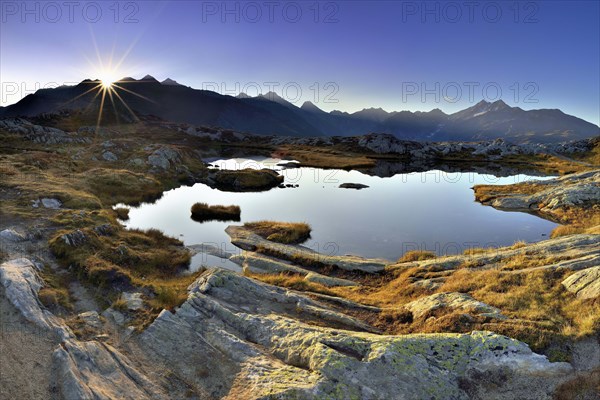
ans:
x=22 y=282
x=94 y=370
x=452 y=301
x=247 y=240
x=260 y=346
x=584 y=283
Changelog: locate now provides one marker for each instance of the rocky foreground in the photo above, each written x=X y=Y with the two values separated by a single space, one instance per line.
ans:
x=237 y=338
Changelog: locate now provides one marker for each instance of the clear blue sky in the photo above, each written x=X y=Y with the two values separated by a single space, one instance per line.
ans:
x=376 y=53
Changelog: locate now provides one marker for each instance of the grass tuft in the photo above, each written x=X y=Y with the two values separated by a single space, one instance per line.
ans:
x=122 y=213
x=203 y=212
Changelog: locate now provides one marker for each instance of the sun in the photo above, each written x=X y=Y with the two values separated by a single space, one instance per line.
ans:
x=107 y=79
x=106 y=83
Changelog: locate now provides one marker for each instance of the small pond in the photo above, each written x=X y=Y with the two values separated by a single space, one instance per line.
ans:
x=431 y=210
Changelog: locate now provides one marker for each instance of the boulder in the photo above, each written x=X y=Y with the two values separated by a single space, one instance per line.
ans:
x=11 y=235
x=164 y=157
x=133 y=301
x=53 y=204
x=75 y=238
x=109 y=156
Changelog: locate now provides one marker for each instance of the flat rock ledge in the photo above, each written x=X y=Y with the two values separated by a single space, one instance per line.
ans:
x=257 y=263
x=249 y=241
x=262 y=345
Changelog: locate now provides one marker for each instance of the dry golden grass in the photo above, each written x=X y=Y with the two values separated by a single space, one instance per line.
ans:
x=485 y=193
x=204 y=212
x=325 y=157
x=477 y=250
x=281 y=232
x=564 y=230
x=417 y=255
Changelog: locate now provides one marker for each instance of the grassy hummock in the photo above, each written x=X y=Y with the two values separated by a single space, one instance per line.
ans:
x=203 y=212
x=416 y=255
x=281 y=232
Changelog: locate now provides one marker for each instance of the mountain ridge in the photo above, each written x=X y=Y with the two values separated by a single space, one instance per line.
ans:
x=270 y=114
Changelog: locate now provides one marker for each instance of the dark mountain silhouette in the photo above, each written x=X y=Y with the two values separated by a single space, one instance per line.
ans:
x=269 y=114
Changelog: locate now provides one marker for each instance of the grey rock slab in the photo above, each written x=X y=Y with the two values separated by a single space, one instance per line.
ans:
x=585 y=283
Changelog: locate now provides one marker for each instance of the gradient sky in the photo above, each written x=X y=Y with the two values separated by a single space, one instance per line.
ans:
x=376 y=53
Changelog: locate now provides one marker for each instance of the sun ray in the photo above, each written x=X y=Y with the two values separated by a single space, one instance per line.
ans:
x=126 y=106
x=134 y=93
x=98 y=86
x=110 y=91
x=100 y=112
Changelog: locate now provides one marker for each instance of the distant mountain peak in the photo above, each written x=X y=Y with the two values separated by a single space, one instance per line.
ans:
x=169 y=82
x=310 y=106
x=243 y=95
x=272 y=96
x=148 y=78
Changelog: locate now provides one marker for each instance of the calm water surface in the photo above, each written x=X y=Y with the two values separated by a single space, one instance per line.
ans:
x=431 y=210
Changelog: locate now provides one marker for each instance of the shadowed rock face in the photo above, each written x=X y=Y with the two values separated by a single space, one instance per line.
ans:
x=258 y=345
